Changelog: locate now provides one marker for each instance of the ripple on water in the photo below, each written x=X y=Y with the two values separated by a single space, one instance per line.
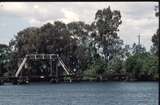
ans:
x=109 y=93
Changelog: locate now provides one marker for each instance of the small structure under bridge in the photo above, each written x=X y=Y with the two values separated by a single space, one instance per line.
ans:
x=23 y=74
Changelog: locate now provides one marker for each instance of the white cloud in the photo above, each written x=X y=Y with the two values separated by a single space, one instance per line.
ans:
x=69 y=16
x=35 y=13
x=14 y=7
x=36 y=6
x=33 y=21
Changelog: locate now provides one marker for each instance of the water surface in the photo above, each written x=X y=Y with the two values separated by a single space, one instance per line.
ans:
x=107 y=93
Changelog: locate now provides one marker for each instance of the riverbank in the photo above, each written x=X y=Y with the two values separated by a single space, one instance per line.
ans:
x=14 y=81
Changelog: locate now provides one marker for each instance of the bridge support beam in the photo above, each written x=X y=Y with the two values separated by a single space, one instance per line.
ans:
x=57 y=73
x=53 y=73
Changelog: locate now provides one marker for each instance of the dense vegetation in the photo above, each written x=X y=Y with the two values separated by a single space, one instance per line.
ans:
x=94 y=51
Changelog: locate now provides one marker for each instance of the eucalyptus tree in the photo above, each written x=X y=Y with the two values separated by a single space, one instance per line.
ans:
x=79 y=31
x=107 y=23
x=108 y=42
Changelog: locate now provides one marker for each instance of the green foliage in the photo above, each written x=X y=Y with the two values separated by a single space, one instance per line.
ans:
x=96 y=69
x=155 y=41
x=150 y=67
x=116 y=65
x=136 y=48
x=107 y=23
x=155 y=37
x=4 y=58
x=142 y=66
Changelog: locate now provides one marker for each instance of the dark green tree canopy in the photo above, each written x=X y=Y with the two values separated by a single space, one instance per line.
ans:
x=107 y=23
x=4 y=58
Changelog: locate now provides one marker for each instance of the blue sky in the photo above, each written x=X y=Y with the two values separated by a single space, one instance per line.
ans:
x=137 y=17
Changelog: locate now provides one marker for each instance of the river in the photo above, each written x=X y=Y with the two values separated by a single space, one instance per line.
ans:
x=85 y=93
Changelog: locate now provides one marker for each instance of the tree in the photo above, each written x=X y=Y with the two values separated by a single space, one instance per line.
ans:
x=157 y=11
x=79 y=32
x=155 y=41
x=138 y=48
x=107 y=40
x=4 y=58
x=150 y=67
x=142 y=66
x=107 y=23
x=50 y=38
x=155 y=37
x=105 y=46
x=96 y=70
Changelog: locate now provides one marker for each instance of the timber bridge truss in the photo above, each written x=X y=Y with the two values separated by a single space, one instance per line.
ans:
x=53 y=76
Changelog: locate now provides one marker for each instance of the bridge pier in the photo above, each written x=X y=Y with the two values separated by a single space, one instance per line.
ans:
x=1 y=81
x=57 y=73
x=14 y=81
x=22 y=80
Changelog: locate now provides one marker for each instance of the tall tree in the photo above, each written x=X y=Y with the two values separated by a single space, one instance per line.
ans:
x=107 y=23
x=79 y=31
x=155 y=37
x=108 y=42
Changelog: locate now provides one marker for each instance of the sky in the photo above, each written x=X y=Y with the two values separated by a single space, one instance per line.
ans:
x=137 y=17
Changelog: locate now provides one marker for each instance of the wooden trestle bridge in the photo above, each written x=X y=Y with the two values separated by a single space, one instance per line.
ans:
x=55 y=62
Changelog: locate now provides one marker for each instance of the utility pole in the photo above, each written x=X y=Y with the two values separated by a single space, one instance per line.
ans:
x=139 y=43
x=139 y=40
